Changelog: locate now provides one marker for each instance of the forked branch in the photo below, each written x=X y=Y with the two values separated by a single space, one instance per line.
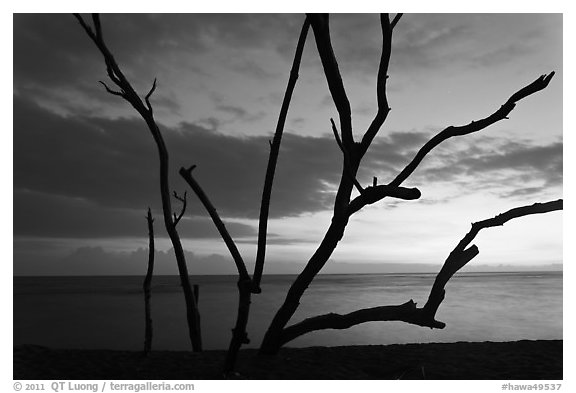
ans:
x=347 y=161
x=170 y=219
x=112 y=68
x=408 y=312
x=183 y=200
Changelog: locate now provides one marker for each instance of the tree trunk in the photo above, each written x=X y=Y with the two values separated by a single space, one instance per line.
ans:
x=146 y=286
x=239 y=335
x=192 y=314
x=272 y=339
x=145 y=110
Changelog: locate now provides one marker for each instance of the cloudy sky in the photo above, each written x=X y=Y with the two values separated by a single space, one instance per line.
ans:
x=85 y=166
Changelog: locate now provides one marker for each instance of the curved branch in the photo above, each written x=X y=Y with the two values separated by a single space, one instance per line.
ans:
x=408 y=312
x=463 y=253
x=240 y=265
x=147 y=98
x=273 y=159
x=474 y=126
x=383 y=108
x=113 y=92
x=452 y=131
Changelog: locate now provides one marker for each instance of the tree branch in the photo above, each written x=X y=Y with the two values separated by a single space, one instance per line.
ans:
x=183 y=200
x=383 y=108
x=408 y=312
x=240 y=265
x=396 y=19
x=474 y=126
x=321 y=28
x=273 y=159
x=130 y=95
x=463 y=253
x=452 y=131
x=109 y=90
x=112 y=68
x=376 y=193
x=147 y=98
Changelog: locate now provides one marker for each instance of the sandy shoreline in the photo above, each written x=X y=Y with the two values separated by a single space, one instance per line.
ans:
x=524 y=359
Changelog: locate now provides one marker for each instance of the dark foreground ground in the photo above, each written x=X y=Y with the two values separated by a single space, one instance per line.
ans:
x=463 y=360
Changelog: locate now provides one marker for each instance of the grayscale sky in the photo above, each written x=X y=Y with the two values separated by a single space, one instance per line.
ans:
x=85 y=166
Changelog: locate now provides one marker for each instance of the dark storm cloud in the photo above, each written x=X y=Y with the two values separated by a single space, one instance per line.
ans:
x=113 y=163
x=46 y=215
x=52 y=49
x=75 y=167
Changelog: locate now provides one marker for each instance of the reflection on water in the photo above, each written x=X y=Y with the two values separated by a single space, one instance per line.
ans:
x=108 y=312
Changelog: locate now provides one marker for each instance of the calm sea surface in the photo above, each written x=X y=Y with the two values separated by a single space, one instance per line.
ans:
x=108 y=312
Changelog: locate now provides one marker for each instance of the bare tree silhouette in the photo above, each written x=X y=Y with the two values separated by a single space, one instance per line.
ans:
x=279 y=333
x=344 y=207
x=145 y=110
x=248 y=285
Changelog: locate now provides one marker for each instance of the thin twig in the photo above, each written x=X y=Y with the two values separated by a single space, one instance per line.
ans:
x=109 y=90
x=347 y=163
x=183 y=200
x=147 y=98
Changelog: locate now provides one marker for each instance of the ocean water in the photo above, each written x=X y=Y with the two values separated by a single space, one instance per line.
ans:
x=108 y=312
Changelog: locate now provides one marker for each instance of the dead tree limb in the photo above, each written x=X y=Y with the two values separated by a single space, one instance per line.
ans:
x=335 y=231
x=343 y=206
x=321 y=27
x=145 y=110
x=245 y=285
x=183 y=200
x=502 y=113
x=382 y=99
x=452 y=131
x=273 y=159
x=408 y=312
x=240 y=265
x=347 y=161
x=463 y=253
x=146 y=286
